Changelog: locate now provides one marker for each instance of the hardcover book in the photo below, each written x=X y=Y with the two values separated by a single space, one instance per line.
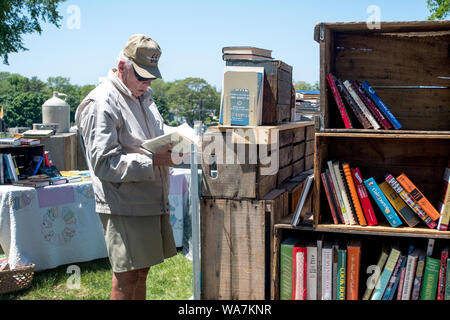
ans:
x=411 y=265
x=299 y=273
x=353 y=265
x=442 y=275
x=382 y=202
x=334 y=197
x=329 y=194
x=386 y=274
x=286 y=261
x=246 y=50
x=361 y=105
x=402 y=208
x=327 y=266
x=319 y=269
x=410 y=201
x=430 y=279
x=337 y=97
x=251 y=57
x=447 y=282
x=344 y=195
x=418 y=277
x=354 y=194
x=334 y=281
x=372 y=283
x=383 y=108
x=401 y=283
x=341 y=282
x=369 y=213
x=444 y=202
x=338 y=192
x=358 y=113
x=393 y=281
x=423 y=202
x=311 y=271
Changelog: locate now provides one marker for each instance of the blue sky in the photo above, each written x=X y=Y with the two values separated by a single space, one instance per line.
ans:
x=191 y=34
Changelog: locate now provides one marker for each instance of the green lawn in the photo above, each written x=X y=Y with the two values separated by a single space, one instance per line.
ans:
x=170 y=280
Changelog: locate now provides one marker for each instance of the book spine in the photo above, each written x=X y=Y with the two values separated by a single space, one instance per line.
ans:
x=393 y=280
x=353 y=265
x=338 y=99
x=298 y=274
x=382 y=202
x=442 y=275
x=378 y=115
x=423 y=202
x=374 y=280
x=447 y=282
x=430 y=279
x=411 y=265
x=347 y=192
x=334 y=281
x=358 y=113
x=319 y=269
x=354 y=194
x=402 y=208
x=364 y=198
x=445 y=214
x=311 y=272
x=418 y=278
x=344 y=194
x=2 y=170
x=386 y=274
x=383 y=108
x=341 y=275
x=286 y=258
x=361 y=105
x=328 y=193
x=336 y=202
x=327 y=265
x=338 y=192
x=12 y=168
x=401 y=283
x=410 y=201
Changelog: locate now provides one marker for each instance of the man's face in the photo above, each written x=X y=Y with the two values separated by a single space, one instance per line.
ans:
x=128 y=77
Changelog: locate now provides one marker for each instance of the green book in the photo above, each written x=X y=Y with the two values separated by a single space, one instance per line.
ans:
x=447 y=282
x=430 y=279
x=341 y=274
x=286 y=261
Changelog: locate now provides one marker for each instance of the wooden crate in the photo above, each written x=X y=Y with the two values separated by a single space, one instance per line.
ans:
x=236 y=237
x=249 y=179
x=279 y=93
x=23 y=155
x=397 y=54
x=64 y=150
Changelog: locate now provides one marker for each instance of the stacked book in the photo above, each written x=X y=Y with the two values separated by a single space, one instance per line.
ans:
x=366 y=106
x=76 y=175
x=333 y=270
x=398 y=199
x=246 y=53
x=10 y=141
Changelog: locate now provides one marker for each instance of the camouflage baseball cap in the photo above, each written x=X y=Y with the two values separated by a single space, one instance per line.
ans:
x=144 y=54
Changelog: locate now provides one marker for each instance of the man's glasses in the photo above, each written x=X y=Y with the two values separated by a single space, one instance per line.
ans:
x=139 y=78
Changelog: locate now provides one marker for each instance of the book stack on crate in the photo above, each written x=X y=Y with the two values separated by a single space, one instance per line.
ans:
x=382 y=153
x=355 y=269
x=252 y=166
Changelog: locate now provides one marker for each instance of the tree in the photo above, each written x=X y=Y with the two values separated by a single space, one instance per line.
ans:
x=25 y=109
x=302 y=85
x=160 y=88
x=18 y=17
x=438 y=8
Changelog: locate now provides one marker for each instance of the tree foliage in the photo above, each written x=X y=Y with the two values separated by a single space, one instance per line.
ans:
x=438 y=8
x=18 y=17
x=302 y=85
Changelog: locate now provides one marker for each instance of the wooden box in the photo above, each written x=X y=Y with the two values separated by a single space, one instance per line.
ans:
x=245 y=165
x=23 y=155
x=236 y=237
x=279 y=93
x=63 y=149
x=393 y=59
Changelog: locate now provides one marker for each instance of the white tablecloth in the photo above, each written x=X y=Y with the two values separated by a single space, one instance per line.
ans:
x=50 y=226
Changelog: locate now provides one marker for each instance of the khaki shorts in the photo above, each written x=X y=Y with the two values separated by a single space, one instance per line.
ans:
x=137 y=242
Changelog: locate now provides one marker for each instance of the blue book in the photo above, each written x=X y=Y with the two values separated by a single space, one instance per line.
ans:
x=386 y=274
x=8 y=175
x=382 y=202
x=395 y=279
x=380 y=104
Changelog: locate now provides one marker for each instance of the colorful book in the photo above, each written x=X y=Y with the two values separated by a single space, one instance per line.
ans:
x=410 y=201
x=411 y=265
x=402 y=208
x=338 y=192
x=334 y=281
x=11 y=168
x=329 y=195
x=442 y=275
x=354 y=194
x=347 y=191
x=338 y=99
x=445 y=213
x=311 y=271
x=341 y=282
x=319 y=269
x=430 y=279
x=348 y=98
x=334 y=197
x=361 y=105
x=299 y=273
x=401 y=283
x=345 y=196
x=418 y=277
x=382 y=202
x=423 y=202
x=369 y=213
x=2 y=170
x=383 y=108
x=394 y=280
x=378 y=115
x=375 y=278
x=447 y=282
x=386 y=274
x=353 y=266
x=286 y=261
x=327 y=268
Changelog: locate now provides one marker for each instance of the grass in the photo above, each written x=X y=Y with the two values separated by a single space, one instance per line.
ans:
x=170 y=280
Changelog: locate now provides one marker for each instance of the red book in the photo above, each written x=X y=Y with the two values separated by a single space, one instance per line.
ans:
x=369 y=213
x=299 y=273
x=340 y=104
x=442 y=275
x=333 y=189
x=400 y=284
x=46 y=159
x=326 y=187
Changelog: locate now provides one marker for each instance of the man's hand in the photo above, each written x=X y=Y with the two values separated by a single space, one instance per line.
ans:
x=164 y=156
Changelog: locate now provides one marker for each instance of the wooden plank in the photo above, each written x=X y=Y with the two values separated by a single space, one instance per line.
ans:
x=265 y=184
x=298 y=167
x=309 y=147
x=299 y=134
x=298 y=151
x=310 y=131
x=309 y=161
x=283 y=113
x=284 y=173
x=285 y=156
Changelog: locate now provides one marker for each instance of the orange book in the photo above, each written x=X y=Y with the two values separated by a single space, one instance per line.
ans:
x=353 y=262
x=418 y=197
x=354 y=194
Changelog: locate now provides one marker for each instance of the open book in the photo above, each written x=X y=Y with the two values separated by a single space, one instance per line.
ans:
x=180 y=138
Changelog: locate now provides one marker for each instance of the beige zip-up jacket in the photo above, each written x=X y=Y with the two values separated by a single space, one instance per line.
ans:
x=113 y=124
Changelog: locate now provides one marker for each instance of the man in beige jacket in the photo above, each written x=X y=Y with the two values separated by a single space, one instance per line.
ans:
x=131 y=184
